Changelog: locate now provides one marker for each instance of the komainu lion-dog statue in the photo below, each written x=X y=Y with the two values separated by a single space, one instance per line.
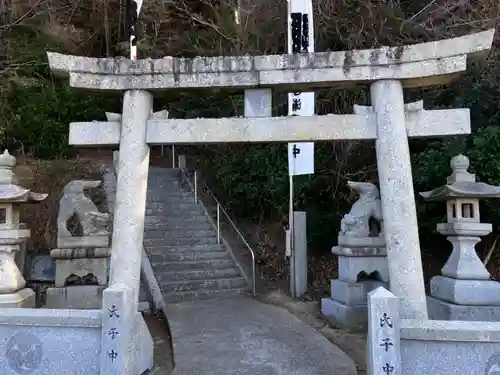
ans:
x=357 y=223
x=74 y=201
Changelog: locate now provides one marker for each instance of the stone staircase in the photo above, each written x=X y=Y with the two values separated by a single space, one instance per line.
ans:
x=181 y=244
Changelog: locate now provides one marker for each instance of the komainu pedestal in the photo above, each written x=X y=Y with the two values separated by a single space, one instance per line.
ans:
x=82 y=262
x=362 y=260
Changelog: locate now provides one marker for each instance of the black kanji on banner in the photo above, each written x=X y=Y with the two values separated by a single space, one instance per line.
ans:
x=296 y=32
x=132 y=21
x=296 y=104
x=300 y=32
x=305 y=32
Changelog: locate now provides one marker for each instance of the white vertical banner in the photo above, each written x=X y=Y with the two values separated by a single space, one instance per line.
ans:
x=300 y=40
x=134 y=7
x=300 y=158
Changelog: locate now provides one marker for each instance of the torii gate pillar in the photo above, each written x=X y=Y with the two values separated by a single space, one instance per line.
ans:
x=396 y=192
x=131 y=189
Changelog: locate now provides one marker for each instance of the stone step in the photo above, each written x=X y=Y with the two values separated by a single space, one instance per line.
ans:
x=170 y=196
x=179 y=233
x=157 y=182
x=167 y=205
x=162 y=178
x=215 y=284
x=164 y=170
x=157 y=187
x=190 y=256
x=176 y=225
x=163 y=175
x=179 y=241
x=192 y=295
x=184 y=249
x=157 y=177
x=175 y=211
x=172 y=219
x=197 y=275
x=170 y=201
x=196 y=265
x=164 y=192
x=173 y=230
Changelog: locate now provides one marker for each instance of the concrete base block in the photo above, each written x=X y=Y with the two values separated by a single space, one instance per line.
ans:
x=346 y=316
x=46 y=342
x=466 y=292
x=443 y=310
x=82 y=267
x=449 y=348
x=353 y=294
x=75 y=297
x=50 y=342
x=351 y=266
x=24 y=298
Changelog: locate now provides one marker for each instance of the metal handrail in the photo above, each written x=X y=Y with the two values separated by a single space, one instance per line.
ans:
x=219 y=209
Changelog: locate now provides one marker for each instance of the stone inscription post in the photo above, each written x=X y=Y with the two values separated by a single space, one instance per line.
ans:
x=117 y=347
x=384 y=353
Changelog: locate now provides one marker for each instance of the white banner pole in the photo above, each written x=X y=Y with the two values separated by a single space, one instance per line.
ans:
x=300 y=155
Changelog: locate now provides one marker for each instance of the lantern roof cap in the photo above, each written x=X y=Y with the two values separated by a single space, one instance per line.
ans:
x=10 y=191
x=462 y=184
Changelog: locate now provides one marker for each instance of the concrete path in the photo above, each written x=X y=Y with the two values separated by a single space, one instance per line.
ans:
x=241 y=336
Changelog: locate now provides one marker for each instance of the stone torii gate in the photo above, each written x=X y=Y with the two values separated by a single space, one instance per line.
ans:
x=388 y=121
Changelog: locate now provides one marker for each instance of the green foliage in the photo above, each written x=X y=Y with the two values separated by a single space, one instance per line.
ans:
x=260 y=187
x=28 y=46
x=38 y=117
x=254 y=183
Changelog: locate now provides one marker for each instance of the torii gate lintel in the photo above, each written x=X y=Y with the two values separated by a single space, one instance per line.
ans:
x=359 y=126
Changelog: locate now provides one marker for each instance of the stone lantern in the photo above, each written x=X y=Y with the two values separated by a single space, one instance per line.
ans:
x=464 y=290
x=12 y=235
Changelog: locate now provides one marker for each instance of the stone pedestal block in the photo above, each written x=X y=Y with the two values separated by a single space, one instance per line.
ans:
x=84 y=242
x=466 y=292
x=361 y=270
x=354 y=268
x=347 y=316
x=352 y=294
x=82 y=263
x=347 y=305
x=24 y=298
x=75 y=297
x=443 y=310
x=81 y=276
x=464 y=262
